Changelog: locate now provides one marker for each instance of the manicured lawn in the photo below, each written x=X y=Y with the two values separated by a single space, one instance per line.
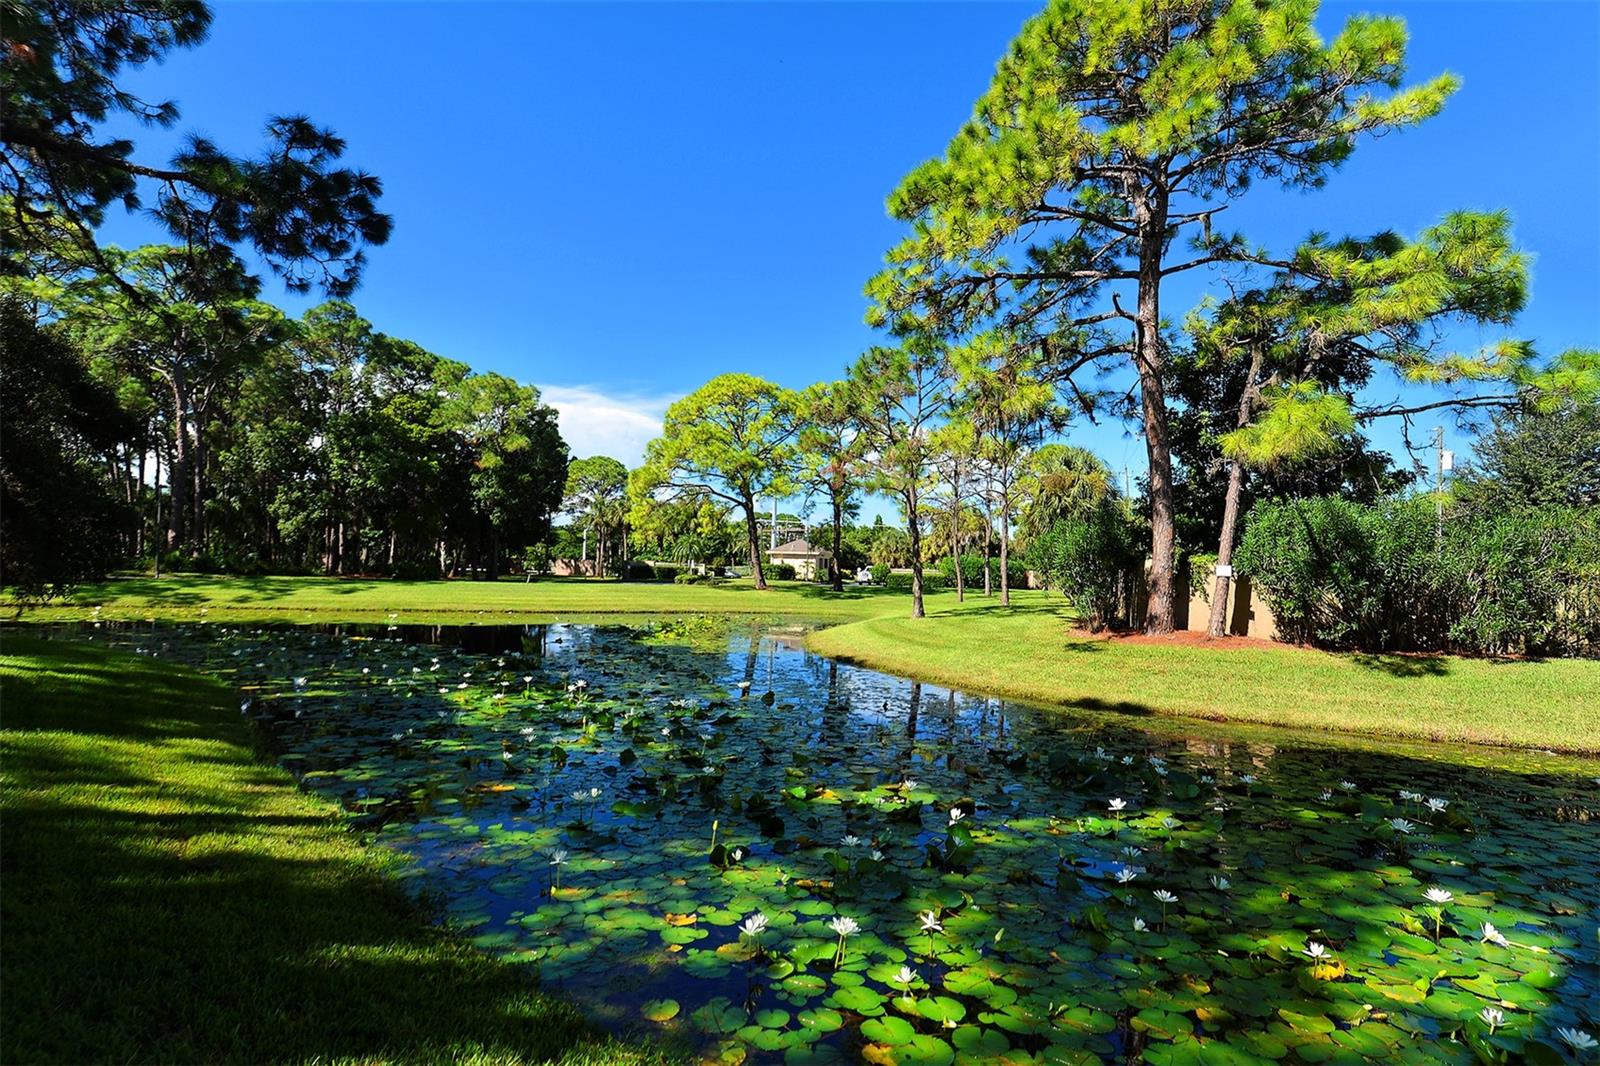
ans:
x=1026 y=653
x=169 y=897
x=1032 y=654
x=308 y=599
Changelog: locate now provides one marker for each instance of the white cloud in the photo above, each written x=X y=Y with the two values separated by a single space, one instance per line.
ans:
x=594 y=422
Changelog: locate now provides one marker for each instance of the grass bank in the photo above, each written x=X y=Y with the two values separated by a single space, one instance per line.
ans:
x=1026 y=653
x=318 y=599
x=1032 y=654
x=168 y=897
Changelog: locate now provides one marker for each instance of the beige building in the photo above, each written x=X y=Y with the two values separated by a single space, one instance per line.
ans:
x=810 y=563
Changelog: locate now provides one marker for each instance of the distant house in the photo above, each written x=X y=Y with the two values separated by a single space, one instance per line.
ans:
x=810 y=563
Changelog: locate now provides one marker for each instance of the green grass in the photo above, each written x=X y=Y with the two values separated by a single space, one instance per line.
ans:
x=318 y=599
x=1032 y=654
x=169 y=897
x=1027 y=653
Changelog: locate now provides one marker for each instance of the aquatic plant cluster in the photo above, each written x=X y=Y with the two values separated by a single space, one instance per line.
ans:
x=778 y=857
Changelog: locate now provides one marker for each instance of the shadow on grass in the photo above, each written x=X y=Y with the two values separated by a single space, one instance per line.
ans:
x=1403 y=665
x=169 y=898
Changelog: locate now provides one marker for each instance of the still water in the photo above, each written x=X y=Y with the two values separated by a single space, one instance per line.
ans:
x=712 y=835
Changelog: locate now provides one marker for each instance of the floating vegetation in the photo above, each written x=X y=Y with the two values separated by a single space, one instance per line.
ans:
x=781 y=858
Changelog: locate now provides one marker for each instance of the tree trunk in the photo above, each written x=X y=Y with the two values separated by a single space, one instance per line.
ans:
x=1005 y=556
x=178 y=473
x=753 y=537
x=838 y=542
x=955 y=547
x=1218 y=625
x=988 y=545
x=917 y=610
x=1151 y=214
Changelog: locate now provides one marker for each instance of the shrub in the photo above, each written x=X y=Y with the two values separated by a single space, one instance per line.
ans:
x=1090 y=560
x=902 y=581
x=634 y=570
x=663 y=572
x=972 y=571
x=780 y=572
x=880 y=573
x=1387 y=576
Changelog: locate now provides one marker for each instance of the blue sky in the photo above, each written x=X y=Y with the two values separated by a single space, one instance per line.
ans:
x=617 y=201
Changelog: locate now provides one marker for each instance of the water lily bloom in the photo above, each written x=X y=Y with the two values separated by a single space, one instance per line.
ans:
x=754 y=925
x=558 y=857
x=877 y=856
x=397 y=737
x=1493 y=935
x=905 y=976
x=1126 y=874
x=930 y=922
x=1577 y=1039
x=1493 y=1016
x=1164 y=896
x=1348 y=786
x=1248 y=779
x=1436 y=805
x=1170 y=822
x=737 y=854
x=299 y=682
x=849 y=840
x=1117 y=805
x=579 y=795
x=1327 y=794
x=1139 y=925
x=1439 y=895
x=594 y=793
x=956 y=814
x=1410 y=797
x=1130 y=851
x=1315 y=950
x=1401 y=825
x=1220 y=883
x=908 y=785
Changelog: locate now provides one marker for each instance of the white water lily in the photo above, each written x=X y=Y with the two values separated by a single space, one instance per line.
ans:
x=397 y=737
x=908 y=785
x=846 y=928
x=1117 y=805
x=1126 y=874
x=1439 y=895
x=558 y=857
x=1170 y=822
x=579 y=795
x=1139 y=925
x=930 y=922
x=1248 y=779
x=877 y=856
x=850 y=841
x=1577 y=1039
x=1314 y=950
x=299 y=682
x=1436 y=805
x=754 y=925
x=1327 y=794
x=956 y=814
x=905 y=977
x=1220 y=883
x=1409 y=796
x=1130 y=851
x=1493 y=1017
x=737 y=854
x=1348 y=786
x=1494 y=936
x=1164 y=896
x=1401 y=825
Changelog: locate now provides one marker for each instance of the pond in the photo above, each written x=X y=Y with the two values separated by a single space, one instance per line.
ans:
x=708 y=833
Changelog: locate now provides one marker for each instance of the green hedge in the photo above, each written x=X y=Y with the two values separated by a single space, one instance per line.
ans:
x=902 y=582
x=1391 y=576
x=972 y=570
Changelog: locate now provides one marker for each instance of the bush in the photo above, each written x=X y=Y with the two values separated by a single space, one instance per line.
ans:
x=691 y=578
x=972 y=571
x=1386 y=577
x=664 y=572
x=902 y=582
x=880 y=574
x=1090 y=559
x=780 y=572
x=634 y=570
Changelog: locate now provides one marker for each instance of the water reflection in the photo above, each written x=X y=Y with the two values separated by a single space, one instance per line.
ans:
x=689 y=788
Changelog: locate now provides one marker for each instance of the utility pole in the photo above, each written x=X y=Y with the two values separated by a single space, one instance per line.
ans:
x=1444 y=461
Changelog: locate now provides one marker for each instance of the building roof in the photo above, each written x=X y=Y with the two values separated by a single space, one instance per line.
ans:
x=800 y=547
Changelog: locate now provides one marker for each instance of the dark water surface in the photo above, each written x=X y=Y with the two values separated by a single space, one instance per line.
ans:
x=1024 y=885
